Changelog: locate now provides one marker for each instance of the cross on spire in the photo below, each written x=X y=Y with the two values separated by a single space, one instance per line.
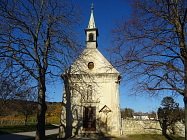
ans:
x=92 y=6
x=91 y=22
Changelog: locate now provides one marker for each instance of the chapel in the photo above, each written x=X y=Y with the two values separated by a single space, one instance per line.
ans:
x=90 y=103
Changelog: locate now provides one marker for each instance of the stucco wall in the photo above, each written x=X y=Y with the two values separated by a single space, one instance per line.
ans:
x=147 y=126
x=180 y=129
x=140 y=127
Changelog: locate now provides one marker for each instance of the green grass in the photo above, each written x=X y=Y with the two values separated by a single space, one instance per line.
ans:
x=15 y=129
x=129 y=137
x=21 y=128
x=151 y=137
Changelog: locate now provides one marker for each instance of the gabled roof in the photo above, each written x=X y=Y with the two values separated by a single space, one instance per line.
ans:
x=101 y=64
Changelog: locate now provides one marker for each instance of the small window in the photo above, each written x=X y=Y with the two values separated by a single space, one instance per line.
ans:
x=91 y=37
x=90 y=65
x=89 y=93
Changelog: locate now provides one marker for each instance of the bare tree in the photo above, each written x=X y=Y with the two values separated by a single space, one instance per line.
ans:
x=37 y=35
x=151 y=47
x=25 y=102
x=8 y=88
x=10 y=83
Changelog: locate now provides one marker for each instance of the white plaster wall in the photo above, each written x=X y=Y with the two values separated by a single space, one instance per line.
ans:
x=105 y=91
x=110 y=98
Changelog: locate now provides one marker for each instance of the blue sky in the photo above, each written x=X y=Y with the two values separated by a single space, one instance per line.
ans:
x=106 y=14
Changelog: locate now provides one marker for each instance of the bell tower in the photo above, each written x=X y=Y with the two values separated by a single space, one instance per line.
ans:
x=91 y=32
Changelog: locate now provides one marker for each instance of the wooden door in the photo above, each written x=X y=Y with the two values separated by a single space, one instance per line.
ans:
x=89 y=119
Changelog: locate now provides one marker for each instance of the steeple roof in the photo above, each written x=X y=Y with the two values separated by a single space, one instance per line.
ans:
x=91 y=24
x=91 y=55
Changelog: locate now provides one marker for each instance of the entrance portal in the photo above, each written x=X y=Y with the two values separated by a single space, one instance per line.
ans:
x=89 y=119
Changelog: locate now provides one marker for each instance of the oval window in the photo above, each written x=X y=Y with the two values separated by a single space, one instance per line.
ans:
x=90 y=65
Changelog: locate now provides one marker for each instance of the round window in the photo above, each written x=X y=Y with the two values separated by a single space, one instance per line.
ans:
x=90 y=65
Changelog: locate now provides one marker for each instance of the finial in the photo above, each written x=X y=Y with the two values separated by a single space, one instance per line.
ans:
x=91 y=22
x=92 y=6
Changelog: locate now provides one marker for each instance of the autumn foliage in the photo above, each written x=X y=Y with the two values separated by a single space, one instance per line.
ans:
x=17 y=113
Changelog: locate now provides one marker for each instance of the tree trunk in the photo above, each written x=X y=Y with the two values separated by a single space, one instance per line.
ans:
x=164 y=127
x=40 y=128
x=185 y=110
x=26 y=117
x=185 y=98
x=69 y=117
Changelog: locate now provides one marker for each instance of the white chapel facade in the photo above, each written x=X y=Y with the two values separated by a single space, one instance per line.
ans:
x=90 y=104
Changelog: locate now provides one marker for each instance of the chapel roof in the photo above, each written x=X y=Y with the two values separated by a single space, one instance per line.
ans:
x=101 y=64
x=91 y=55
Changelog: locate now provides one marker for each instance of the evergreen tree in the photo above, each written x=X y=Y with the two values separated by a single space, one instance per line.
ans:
x=169 y=114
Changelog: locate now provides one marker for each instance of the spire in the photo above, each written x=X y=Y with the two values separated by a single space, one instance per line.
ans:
x=91 y=32
x=91 y=24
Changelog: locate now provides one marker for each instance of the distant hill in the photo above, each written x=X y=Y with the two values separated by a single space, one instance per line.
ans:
x=26 y=110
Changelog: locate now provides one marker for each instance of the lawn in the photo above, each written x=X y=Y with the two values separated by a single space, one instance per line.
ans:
x=149 y=137
x=14 y=129
x=21 y=128
x=129 y=137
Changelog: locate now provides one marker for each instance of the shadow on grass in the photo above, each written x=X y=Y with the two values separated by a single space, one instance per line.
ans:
x=168 y=137
x=22 y=128
x=132 y=137
x=16 y=129
x=173 y=137
x=14 y=137
x=153 y=137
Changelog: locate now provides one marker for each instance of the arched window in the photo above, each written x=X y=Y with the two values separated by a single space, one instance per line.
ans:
x=91 y=37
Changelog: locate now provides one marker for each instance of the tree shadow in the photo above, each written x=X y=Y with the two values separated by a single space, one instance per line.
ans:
x=164 y=127
x=72 y=121
x=168 y=137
